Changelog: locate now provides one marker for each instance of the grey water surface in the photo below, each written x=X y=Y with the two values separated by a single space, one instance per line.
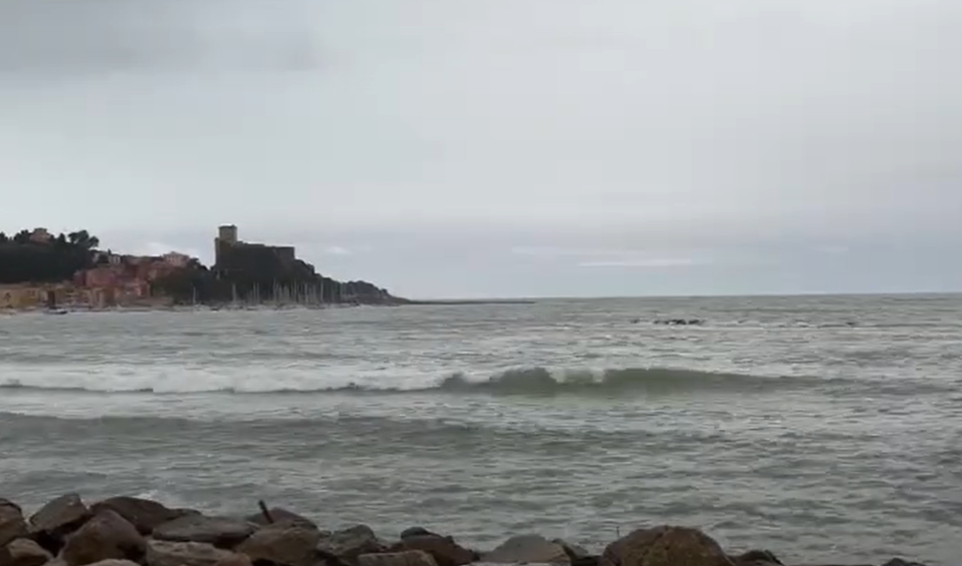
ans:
x=821 y=428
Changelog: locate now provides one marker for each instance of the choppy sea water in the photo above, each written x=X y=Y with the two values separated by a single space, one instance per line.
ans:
x=822 y=428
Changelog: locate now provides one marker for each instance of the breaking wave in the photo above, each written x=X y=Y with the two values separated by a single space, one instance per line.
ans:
x=526 y=381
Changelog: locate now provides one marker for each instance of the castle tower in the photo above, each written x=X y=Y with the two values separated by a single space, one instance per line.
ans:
x=226 y=237
x=227 y=234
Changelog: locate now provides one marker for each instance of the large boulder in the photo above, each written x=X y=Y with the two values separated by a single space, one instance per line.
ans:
x=106 y=536
x=222 y=532
x=348 y=544
x=665 y=546
x=528 y=549
x=406 y=558
x=24 y=552
x=283 y=544
x=12 y=523
x=164 y=553
x=57 y=519
x=144 y=514
x=280 y=515
x=444 y=550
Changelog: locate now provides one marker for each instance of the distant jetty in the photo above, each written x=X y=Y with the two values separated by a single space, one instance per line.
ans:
x=129 y=531
x=456 y=302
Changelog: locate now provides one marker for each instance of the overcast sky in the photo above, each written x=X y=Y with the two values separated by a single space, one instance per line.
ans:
x=471 y=148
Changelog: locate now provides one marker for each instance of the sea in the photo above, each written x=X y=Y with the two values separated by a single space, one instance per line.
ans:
x=823 y=428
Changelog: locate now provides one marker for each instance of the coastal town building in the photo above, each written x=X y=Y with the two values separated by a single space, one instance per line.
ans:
x=115 y=280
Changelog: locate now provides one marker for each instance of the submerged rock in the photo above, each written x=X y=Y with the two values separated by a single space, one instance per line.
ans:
x=144 y=514
x=106 y=536
x=12 y=523
x=665 y=546
x=526 y=549
x=222 y=532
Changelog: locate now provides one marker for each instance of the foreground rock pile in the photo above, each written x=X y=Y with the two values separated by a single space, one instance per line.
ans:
x=127 y=531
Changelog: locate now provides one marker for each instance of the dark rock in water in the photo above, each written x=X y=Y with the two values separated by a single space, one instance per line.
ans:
x=348 y=544
x=222 y=532
x=165 y=553
x=283 y=544
x=106 y=536
x=406 y=558
x=144 y=514
x=757 y=558
x=900 y=562
x=280 y=515
x=680 y=321
x=664 y=546
x=443 y=549
x=528 y=549
x=12 y=523
x=24 y=552
x=54 y=521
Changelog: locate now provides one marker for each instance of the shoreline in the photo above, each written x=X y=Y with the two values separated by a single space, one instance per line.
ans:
x=130 y=531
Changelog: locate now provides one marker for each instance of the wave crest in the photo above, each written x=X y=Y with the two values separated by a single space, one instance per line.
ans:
x=521 y=381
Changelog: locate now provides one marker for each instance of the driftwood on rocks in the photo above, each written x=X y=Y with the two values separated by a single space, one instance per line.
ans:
x=106 y=536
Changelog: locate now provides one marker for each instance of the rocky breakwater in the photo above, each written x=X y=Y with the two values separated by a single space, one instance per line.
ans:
x=127 y=531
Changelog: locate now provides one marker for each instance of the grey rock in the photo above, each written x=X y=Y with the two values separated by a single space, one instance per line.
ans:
x=350 y=543
x=106 y=536
x=144 y=514
x=406 y=558
x=284 y=544
x=528 y=548
x=280 y=515
x=165 y=553
x=222 y=532
x=12 y=523
x=24 y=552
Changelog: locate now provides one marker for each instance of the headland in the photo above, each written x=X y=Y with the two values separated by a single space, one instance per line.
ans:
x=129 y=531
x=41 y=270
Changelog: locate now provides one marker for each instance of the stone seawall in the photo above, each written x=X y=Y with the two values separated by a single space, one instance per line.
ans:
x=128 y=531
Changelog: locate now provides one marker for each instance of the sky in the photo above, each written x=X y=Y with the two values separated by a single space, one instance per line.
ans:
x=501 y=148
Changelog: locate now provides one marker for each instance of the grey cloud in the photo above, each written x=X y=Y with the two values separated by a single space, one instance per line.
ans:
x=449 y=133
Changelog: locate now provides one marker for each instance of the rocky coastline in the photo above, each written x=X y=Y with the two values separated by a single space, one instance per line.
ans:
x=129 y=531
